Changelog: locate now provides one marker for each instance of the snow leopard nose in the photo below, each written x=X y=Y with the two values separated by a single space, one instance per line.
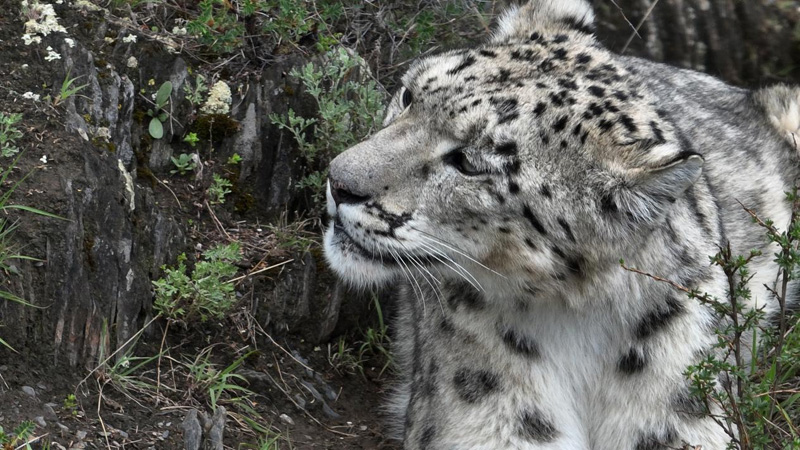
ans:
x=343 y=194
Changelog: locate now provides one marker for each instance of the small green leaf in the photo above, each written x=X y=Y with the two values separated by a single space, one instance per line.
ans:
x=162 y=117
x=156 y=129
x=162 y=96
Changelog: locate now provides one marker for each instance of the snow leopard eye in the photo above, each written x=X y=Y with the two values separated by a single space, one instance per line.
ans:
x=458 y=159
x=407 y=98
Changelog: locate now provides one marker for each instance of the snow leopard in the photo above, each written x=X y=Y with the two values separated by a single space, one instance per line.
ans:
x=507 y=183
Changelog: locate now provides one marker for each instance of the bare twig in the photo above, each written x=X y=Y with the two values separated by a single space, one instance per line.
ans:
x=638 y=26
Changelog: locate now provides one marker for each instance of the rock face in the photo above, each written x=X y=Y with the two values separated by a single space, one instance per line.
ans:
x=120 y=223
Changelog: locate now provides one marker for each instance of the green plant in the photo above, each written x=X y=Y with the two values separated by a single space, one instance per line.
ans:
x=71 y=404
x=217 y=26
x=205 y=293
x=219 y=384
x=219 y=189
x=349 y=109
x=234 y=159
x=9 y=134
x=19 y=438
x=758 y=404
x=158 y=115
x=342 y=357
x=376 y=340
x=184 y=163
x=191 y=139
x=195 y=95
x=67 y=90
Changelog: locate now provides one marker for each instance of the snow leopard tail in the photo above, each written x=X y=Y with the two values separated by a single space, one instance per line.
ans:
x=781 y=103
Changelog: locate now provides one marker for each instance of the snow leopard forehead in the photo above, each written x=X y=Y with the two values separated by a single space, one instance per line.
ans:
x=561 y=87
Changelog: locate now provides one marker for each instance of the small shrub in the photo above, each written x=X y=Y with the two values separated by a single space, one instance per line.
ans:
x=158 y=114
x=184 y=163
x=349 y=109
x=205 y=292
x=219 y=189
x=9 y=134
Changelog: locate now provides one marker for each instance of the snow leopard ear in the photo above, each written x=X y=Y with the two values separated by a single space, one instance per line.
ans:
x=537 y=16
x=647 y=194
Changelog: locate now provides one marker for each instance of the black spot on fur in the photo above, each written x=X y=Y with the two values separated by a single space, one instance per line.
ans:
x=534 y=427
x=584 y=136
x=567 y=84
x=559 y=54
x=610 y=107
x=628 y=123
x=525 y=54
x=503 y=76
x=658 y=319
x=426 y=437
x=596 y=110
x=567 y=229
x=583 y=58
x=526 y=211
x=504 y=230
x=545 y=190
x=530 y=244
x=465 y=294
x=521 y=344
x=632 y=362
x=487 y=53
x=546 y=66
x=468 y=61
x=506 y=109
x=539 y=109
x=605 y=125
x=559 y=252
x=512 y=168
x=578 y=25
x=544 y=137
x=577 y=130
x=620 y=96
x=597 y=91
x=657 y=441
x=560 y=39
x=607 y=204
x=513 y=187
x=560 y=124
x=507 y=148
x=557 y=99
x=535 y=36
x=474 y=385
x=657 y=131
x=575 y=265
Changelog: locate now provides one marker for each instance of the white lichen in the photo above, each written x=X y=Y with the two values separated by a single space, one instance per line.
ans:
x=52 y=55
x=28 y=39
x=41 y=18
x=43 y=159
x=132 y=62
x=31 y=96
x=179 y=31
x=129 y=39
x=70 y=42
x=219 y=99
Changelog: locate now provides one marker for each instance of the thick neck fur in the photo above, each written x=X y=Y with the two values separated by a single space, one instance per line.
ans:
x=579 y=345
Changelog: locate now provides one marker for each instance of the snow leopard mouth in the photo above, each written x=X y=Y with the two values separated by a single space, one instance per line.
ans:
x=391 y=258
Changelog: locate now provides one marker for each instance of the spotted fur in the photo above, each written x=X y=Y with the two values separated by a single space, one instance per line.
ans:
x=506 y=185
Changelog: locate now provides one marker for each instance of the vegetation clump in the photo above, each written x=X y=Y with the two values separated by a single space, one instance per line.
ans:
x=203 y=293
